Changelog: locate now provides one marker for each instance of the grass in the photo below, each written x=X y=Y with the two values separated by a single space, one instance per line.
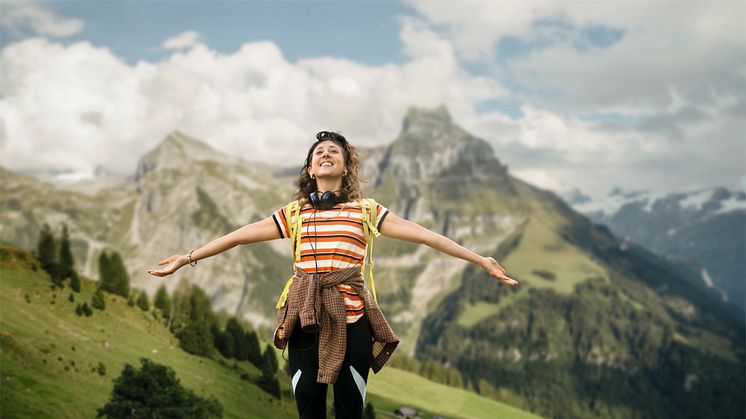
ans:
x=48 y=358
x=392 y=383
x=542 y=249
x=40 y=339
x=474 y=313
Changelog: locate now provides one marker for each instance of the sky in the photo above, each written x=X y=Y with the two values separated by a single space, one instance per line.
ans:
x=571 y=95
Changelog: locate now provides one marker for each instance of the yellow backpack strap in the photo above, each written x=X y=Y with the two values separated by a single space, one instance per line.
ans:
x=295 y=223
x=369 y=209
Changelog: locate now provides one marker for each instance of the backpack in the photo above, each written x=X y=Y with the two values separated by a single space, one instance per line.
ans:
x=369 y=209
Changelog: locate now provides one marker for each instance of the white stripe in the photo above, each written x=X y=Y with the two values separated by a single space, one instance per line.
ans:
x=325 y=227
x=354 y=248
x=333 y=214
x=359 y=382
x=295 y=380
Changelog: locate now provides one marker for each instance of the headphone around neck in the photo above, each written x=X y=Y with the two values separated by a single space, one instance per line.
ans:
x=328 y=200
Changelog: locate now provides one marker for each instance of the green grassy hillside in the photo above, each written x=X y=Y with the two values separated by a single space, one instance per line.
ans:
x=49 y=357
x=49 y=353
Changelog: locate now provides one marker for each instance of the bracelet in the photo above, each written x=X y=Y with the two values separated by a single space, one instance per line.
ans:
x=189 y=257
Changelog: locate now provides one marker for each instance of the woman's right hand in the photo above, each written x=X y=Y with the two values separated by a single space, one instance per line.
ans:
x=174 y=263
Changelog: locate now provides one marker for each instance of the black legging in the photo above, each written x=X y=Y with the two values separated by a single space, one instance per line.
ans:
x=349 y=389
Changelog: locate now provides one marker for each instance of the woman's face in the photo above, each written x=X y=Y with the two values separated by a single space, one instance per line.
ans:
x=327 y=160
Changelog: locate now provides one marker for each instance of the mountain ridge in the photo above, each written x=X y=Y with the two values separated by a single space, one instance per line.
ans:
x=462 y=191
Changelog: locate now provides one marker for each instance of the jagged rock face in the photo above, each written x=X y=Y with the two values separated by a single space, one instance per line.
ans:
x=431 y=147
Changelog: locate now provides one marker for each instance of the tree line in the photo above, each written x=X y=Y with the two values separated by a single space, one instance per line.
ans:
x=187 y=314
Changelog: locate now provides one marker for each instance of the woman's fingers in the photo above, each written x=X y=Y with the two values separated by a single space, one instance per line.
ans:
x=168 y=271
x=508 y=280
x=499 y=272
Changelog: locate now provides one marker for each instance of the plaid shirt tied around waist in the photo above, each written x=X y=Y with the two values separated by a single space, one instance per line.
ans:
x=317 y=303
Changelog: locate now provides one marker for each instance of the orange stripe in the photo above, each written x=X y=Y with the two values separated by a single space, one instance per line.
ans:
x=323 y=221
x=335 y=250
x=354 y=312
x=342 y=258
x=352 y=297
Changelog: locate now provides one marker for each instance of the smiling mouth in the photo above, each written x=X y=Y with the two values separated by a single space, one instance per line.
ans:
x=326 y=164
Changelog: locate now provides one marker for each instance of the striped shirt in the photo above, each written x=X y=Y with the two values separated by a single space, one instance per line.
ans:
x=336 y=238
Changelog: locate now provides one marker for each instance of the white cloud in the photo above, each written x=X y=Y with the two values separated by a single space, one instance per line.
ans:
x=252 y=103
x=675 y=78
x=543 y=179
x=474 y=27
x=182 y=40
x=98 y=110
x=20 y=16
x=669 y=50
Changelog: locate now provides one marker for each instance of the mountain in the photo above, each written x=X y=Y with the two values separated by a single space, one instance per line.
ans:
x=598 y=327
x=592 y=309
x=704 y=226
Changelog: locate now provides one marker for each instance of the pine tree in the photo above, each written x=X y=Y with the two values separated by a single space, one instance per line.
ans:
x=268 y=380
x=104 y=272
x=66 y=261
x=121 y=279
x=74 y=281
x=229 y=345
x=97 y=301
x=162 y=300
x=255 y=352
x=218 y=340
x=112 y=274
x=71 y=298
x=236 y=332
x=87 y=310
x=269 y=364
x=79 y=310
x=195 y=336
x=142 y=301
x=45 y=251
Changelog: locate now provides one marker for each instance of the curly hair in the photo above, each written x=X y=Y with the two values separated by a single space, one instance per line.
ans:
x=351 y=189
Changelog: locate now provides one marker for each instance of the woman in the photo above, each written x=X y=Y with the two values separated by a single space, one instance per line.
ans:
x=331 y=339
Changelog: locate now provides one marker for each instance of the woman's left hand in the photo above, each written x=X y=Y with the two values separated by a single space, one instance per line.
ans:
x=490 y=265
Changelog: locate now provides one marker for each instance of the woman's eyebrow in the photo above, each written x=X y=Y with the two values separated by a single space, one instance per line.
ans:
x=330 y=147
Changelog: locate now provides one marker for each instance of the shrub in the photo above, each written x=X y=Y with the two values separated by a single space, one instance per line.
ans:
x=155 y=391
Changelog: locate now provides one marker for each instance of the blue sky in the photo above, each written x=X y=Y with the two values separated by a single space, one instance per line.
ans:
x=364 y=31
x=561 y=90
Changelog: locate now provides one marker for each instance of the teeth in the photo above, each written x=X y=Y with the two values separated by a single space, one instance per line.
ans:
x=326 y=164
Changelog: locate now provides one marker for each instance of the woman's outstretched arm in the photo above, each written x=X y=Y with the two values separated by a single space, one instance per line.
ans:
x=398 y=228
x=252 y=233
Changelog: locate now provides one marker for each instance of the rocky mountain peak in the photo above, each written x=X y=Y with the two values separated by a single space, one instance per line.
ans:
x=431 y=145
x=177 y=150
x=419 y=119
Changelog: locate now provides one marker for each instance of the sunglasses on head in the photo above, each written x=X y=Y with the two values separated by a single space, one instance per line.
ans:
x=329 y=135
